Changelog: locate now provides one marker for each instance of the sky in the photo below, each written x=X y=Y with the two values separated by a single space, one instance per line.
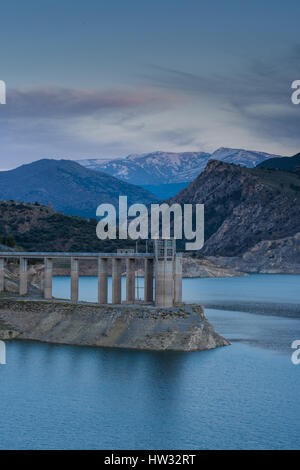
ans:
x=103 y=79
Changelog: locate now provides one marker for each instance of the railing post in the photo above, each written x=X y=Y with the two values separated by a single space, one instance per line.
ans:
x=116 y=281
x=102 y=280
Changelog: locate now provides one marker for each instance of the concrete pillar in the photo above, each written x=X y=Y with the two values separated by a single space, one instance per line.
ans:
x=74 y=279
x=148 y=280
x=130 y=279
x=178 y=279
x=42 y=282
x=23 y=277
x=48 y=278
x=116 y=281
x=102 y=280
x=1 y=274
x=164 y=283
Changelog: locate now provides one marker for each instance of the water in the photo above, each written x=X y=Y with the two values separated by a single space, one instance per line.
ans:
x=243 y=396
x=263 y=288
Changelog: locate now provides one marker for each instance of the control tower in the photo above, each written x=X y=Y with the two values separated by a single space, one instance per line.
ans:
x=168 y=273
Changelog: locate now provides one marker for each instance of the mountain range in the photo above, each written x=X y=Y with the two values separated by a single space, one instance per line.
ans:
x=67 y=187
x=160 y=168
x=252 y=215
x=152 y=168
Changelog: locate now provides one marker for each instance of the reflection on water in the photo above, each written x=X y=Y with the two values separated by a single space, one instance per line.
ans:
x=241 y=396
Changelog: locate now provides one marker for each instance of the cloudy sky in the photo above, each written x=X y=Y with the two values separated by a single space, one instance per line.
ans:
x=99 y=78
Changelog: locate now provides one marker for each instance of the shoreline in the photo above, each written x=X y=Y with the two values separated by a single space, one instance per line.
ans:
x=66 y=273
x=287 y=310
x=141 y=327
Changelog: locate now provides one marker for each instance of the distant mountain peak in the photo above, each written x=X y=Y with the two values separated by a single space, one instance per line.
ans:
x=153 y=168
x=159 y=167
x=243 y=157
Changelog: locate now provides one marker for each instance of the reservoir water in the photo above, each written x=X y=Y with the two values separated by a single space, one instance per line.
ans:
x=245 y=396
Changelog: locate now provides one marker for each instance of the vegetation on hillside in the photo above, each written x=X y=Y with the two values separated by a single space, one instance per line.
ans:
x=283 y=163
x=38 y=228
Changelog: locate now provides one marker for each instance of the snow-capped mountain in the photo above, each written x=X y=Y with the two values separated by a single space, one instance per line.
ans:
x=158 y=168
x=152 y=168
x=248 y=158
x=94 y=163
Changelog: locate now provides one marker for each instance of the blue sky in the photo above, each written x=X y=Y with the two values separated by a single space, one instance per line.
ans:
x=108 y=78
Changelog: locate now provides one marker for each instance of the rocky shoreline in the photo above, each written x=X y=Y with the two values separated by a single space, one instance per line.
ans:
x=182 y=328
x=280 y=256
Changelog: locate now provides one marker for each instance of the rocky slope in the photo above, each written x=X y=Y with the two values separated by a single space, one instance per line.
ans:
x=11 y=279
x=280 y=256
x=208 y=267
x=244 y=206
x=182 y=328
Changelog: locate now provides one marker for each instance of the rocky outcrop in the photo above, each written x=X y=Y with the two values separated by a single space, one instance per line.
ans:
x=280 y=256
x=182 y=328
x=11 y=278
x=205 y=267
x=244 y=206
x=6 y=332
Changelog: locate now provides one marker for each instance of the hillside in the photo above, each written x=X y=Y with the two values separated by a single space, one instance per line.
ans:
x=283 y=163
x=38 y=228
x=32 y=227
x=244 y=206
x=67 y=186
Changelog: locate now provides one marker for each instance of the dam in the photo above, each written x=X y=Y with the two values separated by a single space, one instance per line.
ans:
x=162 y=279
x=157 y=322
